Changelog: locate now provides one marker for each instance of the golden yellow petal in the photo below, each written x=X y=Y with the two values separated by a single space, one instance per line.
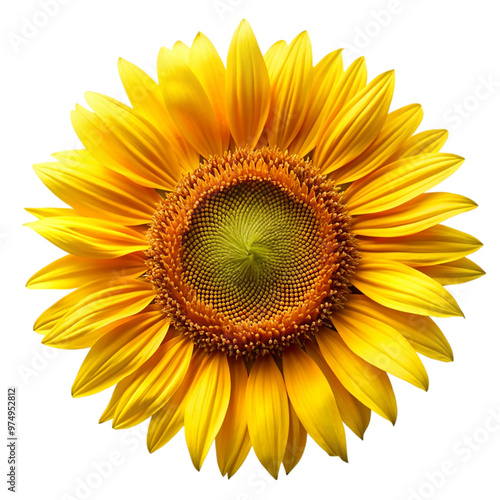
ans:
x=377 y=342
x=71 y=271
x=399 y=182
x=296 y=444
x=420 y=331
x=422 y=212
x=76 y=157
x=429 y=141
x=51 y=316
x=398 y=127
x=241 y=455
x=100 y=303
x=154 y=383
x=42 y=213
x=290 y=90
x=120 y=352
x=454 y=273
x=247 y=87
x=233 y=441
x=432 y=246
x=356 y=125
x=313 y=401
x=169 y=419
x=267 y=413
x=368 y=384
x=146 y=98
x=182 y=51
x=349 y=84
x=403 y=288
x=188 y=104
x=208 y=67
x=144 y=94
x=89 y=237
x=118 y=391
x=326 y=75
x=354 y=413
x=120 y=139
x=275 y=58
x=97 y=191
x=206 y=406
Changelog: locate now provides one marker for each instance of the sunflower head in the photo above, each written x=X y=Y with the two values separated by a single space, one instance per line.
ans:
x=251 y=252
x=252 y=249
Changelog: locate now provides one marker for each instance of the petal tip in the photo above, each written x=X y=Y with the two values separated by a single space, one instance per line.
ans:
x=103 y=418
x=77 y=392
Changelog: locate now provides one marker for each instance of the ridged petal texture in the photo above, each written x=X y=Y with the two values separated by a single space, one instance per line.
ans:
x=267 y=413
x=203 y=109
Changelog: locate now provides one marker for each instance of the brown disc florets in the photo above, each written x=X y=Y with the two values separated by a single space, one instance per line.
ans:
x=251 y=252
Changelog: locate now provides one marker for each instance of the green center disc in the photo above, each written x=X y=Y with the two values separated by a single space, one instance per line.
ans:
x=251 y=250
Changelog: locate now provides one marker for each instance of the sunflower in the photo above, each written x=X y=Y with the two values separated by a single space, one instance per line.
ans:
x=252 y=249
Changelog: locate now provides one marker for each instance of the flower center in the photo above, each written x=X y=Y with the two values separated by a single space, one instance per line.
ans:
x=251 y=252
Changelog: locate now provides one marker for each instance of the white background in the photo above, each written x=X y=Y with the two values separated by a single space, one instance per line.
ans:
x=443 y=52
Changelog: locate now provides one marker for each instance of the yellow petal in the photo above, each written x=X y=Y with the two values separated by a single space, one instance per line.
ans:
x=267 y=413
x=398 y=127
x=423 y=212
x=297 y=437
x=71 y=271
x=144 y=94
x=420 y=331
x=208 y=67
x=364 y=381
x=120 y=352
x=97 y=191
x=146 y=98
x=182 y=51
x=76 y=157
x=399 y=182
x=233 y=442
x=275 y=58
x=247 y=87
x=100 y=303
x=356 y=125
x=206 y=406
x=48 y=320
x=118 y=391
x=120 y=139
x=326 y=75
x=432 y=246
x=377 y=342
x=354 y=413
x=42 y=213
x=188 y=104
x=429 y=141
x=89 y=237
x=50 y=317
x=241 y=455
x=290 y=90
x=403 y=288
x=350 y=83
x=154 y=383
x=313 y=401
x=169 y=419
x=454 y=273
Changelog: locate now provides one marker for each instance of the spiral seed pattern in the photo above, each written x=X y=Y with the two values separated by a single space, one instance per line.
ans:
x=251 y=252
